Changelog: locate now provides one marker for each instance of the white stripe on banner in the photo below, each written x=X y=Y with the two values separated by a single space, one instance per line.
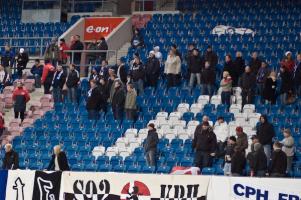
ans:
x=246 y=188
x=20 y=185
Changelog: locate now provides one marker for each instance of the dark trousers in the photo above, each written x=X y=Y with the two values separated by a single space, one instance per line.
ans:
x=117 y=112
x=202 y=159
x=151 y=81
x=47 y=88
x=1 y=132
x=151 y=157
x=22 y=115
x=247 y=97
x=172 y=80
x=37 y=81
x=226 y=97
x=130 y=114
x=93 y=115
x=57 y=95
x=20 y=72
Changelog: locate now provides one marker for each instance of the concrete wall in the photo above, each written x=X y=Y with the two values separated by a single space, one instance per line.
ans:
x=41 y=15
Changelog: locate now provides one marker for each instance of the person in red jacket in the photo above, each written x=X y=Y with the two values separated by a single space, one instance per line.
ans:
x=47 y=76
x=288 y=63
x=2 y=124
x=63 y=47
x=20 y=98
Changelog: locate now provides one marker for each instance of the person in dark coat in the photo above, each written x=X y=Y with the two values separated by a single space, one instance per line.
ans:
x=152 y=70
x=20 y=98
x=7 y=59
x=118 y=101
x=211 y=57
x=95 y=74
x=137 y=40
x=59 y=79
x=255 y=63
x=104 y=70
x=93 y=101
x=11 y=158
x=22 y=60
x=265 y=133
x=248 y=84
x=91 y=56
x=258 y=161
x=278 y=161
x=205 y=145
x=242 y=139
x=72 y=82
x=58 y=160
x=208 y=79
x=262 y=74
x=104 y=94
x=104 y=47
x=137 y=74
x=37 y=71
x=269 y=90
x=297 y=75
x=77 y=45
x=286 y=87
x=230 y=67
x=122 y=70
x=239 y=64
x=229 y=151
x=150 y=145
x=238 y=162
x=195 y=66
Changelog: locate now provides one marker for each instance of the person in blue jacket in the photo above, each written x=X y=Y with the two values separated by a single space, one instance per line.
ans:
x=37 y=71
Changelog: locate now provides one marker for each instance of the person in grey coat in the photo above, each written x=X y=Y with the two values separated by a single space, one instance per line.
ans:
x=150 y=145
x=130 y=102
x=288 y=148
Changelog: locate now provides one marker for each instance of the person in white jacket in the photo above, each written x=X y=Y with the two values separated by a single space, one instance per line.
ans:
x=221 y=130
x=172 y=68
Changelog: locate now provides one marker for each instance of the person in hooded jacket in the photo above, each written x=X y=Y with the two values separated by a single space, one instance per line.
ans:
x=208 y=79
x=230 y=67
x=152 y=70
x=47 y=76
x=104 y=47
x=72 y=83
x=22 y=60
x=20 y=98
x=211 y=57
x=255 y=63
x=118 y=101
x=265 y=133
x=286 y=87
x=137 y=40
x=297 y=75
x=288 y=63
x=150 y=145
x=122 y=70
x=239 y=64
x=195 y=64
x=137 y=74
x=93 y=101
x=59 y=79
x=248 y=84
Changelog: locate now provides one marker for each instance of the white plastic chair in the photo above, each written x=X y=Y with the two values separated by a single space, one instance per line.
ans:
x=203 y=99
x=183 y=107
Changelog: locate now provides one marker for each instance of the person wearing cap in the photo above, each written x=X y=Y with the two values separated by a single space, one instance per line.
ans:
x=195 y=63
x=59 y=161
x=94 y=74
x=226 y=87
x=93 y=101
x=37 y=71
x=254 y=63
x=297 y=75
x=248 y=84
x=288 y=62
x=158 y=54
x=103 y=46
x=11 y=158
x=59 y=79
x=20 y=98
x=265 y=133
x=7 y=58
x=152 y=70
x=261 y=76
x=72 y=83
x=137 y=40
x=238 y=162
x=221 y=130
x=208 y=79
x=22 y=60
x=278 y=164
x=242 y=139
x=63 y=56
x=286 y=87
x=258 y=162
x=137 y=74
x=118 y=101
x=288 y=146
x=229 y=150
x=172 y=69
x=52 y=52
x=47 y=76
x=205 y=145
x=150 y=145
x=211 y=57
x=4 y=77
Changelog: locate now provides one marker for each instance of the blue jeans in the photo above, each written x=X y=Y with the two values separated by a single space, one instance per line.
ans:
x=151 y=157
x=57 y=94
x=194 y=76
x=267 y=150
x=118 y=113
x=138 y=85
x=37 y=81
x=283 y=98
x=93 y=115
x=260 y=87
x=227 y=169
x=226 y=97
x=72 y=94
x=207 y=89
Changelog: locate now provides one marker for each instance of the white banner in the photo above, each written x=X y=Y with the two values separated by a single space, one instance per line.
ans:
x=117 y=186
x=223 y=30
x=246 y=188
x=20 y=185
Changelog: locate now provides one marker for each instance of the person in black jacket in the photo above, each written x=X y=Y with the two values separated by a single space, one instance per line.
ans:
x=195 y=67
x=278 y=161
x=137 y=74
x=208 y=79
x=230 y=67
x=265 y=133
x=150 y=145
x=205 y=145
x=258 y=161
x=122 y=70
x=286 y=87
x=93 y=101
x=238 y=162
x=22 y=60
x=255 y=63
x=239 y=64
x=11 y=158
x=58 y=160
x=59 y=79
x=211 y=57
x=104 y=94
x=104 y=47
x=118 y=101
x=152 y=70
x=248 y=85
x=297 y=75
x=72 y=83
x=137 y=40
x=269 y=89
x=37 y=71
x=77 y=45
x=95 y=74
x=4 y=77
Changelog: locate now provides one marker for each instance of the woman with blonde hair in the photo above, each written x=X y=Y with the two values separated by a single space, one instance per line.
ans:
x=226 y=87
x=269 y=90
